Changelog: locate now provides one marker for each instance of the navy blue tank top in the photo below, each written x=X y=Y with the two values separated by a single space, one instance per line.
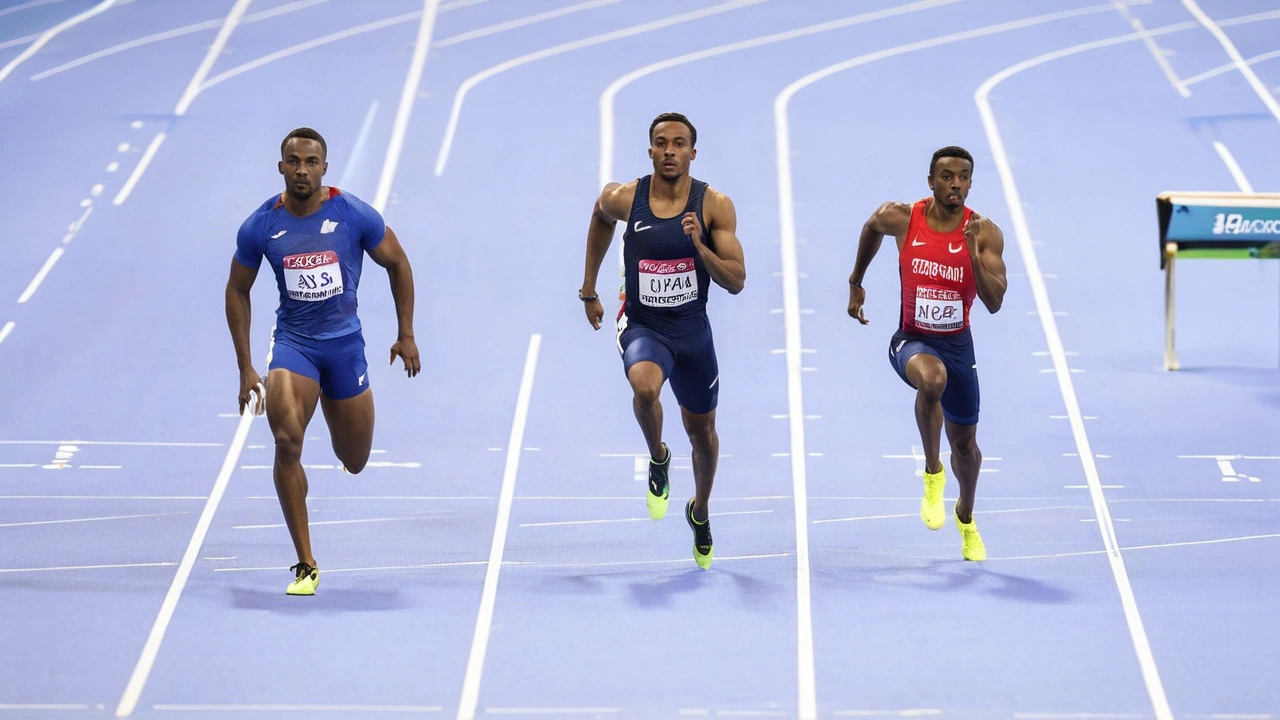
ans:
x=666 y=282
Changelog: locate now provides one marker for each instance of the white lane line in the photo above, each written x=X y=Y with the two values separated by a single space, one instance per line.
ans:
x=1223 y=69
x=329 y=522
x=626 y=520
x=140 y=168
x=89 y=519
x=41 y=274
x=188 y=96
x=122 y=443
x=467 y=85
x=298 y=708
x=1233 y=167
x=4 y=331
x=170 y=34
x=791 y=314
x=1252 y=78
x=51 y=33
x=357 y=149
x=42 y=706
x=101 y=497
x=308 y=45
x=912 y=515
x=631 y=563
x=141 y=671
x=27 y=6
x=484 y=620
x=87 y=567
x=909 y=712
x=330 y=571
x=1066 y=387
x=1155 y=50
x=224 y=34
x=408 y=95
x=607 y=98
x=521 y=22
x=553 y=710
x=18 y=41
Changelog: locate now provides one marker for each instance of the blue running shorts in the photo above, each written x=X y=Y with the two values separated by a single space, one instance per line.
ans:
x=688 y=362
x=960 y=398
x=338 y=364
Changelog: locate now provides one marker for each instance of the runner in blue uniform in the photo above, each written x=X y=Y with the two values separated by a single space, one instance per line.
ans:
x=314 y=237
x=679 y=236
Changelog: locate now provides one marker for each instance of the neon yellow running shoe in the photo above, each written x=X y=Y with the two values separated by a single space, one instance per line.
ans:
x=307 y=580
x=971 y=547
x=702 y=549
x=931 y=511
x=658 y=494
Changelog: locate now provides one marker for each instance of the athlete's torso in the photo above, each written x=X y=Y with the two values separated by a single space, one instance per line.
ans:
x=937 y=276
x=317 y=260
x=666 y=283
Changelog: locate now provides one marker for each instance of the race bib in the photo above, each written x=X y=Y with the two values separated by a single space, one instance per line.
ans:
x=938 y=309
x=668 y=283
x=312 y=277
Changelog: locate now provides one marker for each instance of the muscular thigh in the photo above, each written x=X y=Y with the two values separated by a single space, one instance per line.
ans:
x=695 y=378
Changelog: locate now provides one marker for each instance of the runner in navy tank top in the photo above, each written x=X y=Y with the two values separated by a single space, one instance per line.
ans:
x=314 y=238
x=948 y=255
x=680 y=237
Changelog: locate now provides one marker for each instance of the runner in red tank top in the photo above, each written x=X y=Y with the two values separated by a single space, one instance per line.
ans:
x=947 y=256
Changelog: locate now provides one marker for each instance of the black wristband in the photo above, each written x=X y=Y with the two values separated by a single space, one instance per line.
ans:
x=588 y=298
x=855 y=283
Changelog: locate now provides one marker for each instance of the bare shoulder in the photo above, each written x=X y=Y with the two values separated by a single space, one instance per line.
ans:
x=717 y=205
x=615 y=200
x=891 y=218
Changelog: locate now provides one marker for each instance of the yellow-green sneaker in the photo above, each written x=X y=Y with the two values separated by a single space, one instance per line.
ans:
x=931 y=511
x=308 y=578
x=702 y=549
x=658 y=494
x=971 y=542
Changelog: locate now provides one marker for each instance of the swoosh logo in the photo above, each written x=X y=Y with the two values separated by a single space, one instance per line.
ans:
x=954 y=250
x=915 y=242
x=638 y=227
x=273 y=237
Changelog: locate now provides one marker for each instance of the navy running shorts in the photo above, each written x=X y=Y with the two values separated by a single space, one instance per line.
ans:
x=338 y=364
x=960 y=398
x=688 y=361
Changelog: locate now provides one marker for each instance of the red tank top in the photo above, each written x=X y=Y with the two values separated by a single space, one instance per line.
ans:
x=937 y=276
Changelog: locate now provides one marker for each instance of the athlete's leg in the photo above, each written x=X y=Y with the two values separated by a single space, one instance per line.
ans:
x=291 y=401
x=351 y=428
x=646 y=380
x=706 y=454
x=966 y=462
x=928 y=375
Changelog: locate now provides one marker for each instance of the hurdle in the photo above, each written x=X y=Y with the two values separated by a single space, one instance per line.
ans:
x=1221 y=225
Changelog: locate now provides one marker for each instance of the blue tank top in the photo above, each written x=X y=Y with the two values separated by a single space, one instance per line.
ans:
x=316 y=259
x=665 y=279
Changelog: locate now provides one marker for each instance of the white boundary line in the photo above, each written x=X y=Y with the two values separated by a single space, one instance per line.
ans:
x=1022 y=232
x=300 y=708
x=408 y=95
x=521 y=22
x=791 y=315
x=87 y=567
x=467 y=85
x=1233 y=167
x=484 y=620
x=4 y=331
x=51 y=33
x=41 y=274
x=1252 y=78
x=141 y=671
x=1154 y=49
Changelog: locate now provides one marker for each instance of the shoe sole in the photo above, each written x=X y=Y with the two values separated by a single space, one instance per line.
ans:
x=657 y=505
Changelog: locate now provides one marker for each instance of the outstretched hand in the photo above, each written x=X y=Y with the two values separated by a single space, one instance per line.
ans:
x=407 y=349
x=857 y=296
x=253 y=393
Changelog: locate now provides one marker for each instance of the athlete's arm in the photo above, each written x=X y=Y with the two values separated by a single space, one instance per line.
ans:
x=239 y=316
x=986 y=251
x=390 y=255
x=614 y=204
x=725 y=264
x=891 y=218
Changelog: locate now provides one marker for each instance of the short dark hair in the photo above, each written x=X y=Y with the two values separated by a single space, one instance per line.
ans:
x=307 y=134
x=675 y=117
x=954 y=151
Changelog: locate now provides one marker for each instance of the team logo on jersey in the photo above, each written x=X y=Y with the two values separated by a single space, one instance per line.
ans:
x=638 y=227
x=277 y=235
x=328 y=226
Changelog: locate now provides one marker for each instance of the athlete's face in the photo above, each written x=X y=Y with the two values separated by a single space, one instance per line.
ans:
x=671 y=150
x=303 y=166
x=950 y=182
